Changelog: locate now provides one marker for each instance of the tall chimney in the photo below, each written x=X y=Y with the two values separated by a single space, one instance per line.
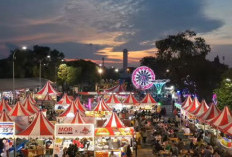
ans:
x=125 y=60
x=103 y=59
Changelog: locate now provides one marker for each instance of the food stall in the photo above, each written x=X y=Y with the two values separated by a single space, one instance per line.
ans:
x=114 y=102
x=63 y=103
x=100 y=111
x=70 y=112
x=112 y=136
x=47 y=89
x=147 y=103
x=80 y=134
x=40 y=131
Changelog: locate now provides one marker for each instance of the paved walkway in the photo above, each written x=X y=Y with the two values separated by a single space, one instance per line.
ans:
x=145 y=152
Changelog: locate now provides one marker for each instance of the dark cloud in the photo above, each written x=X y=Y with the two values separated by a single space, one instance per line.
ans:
x=78 y=50
x=158 y=18
x=66 y=25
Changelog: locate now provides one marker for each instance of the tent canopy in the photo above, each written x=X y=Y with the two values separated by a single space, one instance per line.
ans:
x=131 y=100
x=188 y=101
x=200 y=109
x=72 y=109
x=78 y=119
x=223 y=118
x=4 y=106
x=113 y=100
x=212 y=112
x=65 y=99
x=80 y=107
x=113 y=122
x=40 y=127
x=148 y=99
x=193 y=106
x=101 y=106
x=19 y=110
x=29 y=106
x=115 y=89
x=47 y=89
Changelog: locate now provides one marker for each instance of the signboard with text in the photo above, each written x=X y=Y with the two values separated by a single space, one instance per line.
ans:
x=74 y=130
x=7 y=129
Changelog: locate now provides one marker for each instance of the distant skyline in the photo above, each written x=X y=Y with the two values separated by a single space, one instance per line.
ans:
x=92 y=29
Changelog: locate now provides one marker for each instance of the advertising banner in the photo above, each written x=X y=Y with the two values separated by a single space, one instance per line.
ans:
x=74 y=130
x=7 y=129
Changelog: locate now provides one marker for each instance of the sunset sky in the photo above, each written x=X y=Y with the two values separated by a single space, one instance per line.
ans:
x=92 y=29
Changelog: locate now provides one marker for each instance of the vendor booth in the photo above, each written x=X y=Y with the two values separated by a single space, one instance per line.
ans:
x=63 y=103
x=113 y=102
x=147 y=103
x=130 y=101
x=100 y=111
x=29 y=105
x=112 y=136
x=7 y=131
x=80 y=134
x=70 y=112
x=47 y=89
x=4 y=106
x=40 y=134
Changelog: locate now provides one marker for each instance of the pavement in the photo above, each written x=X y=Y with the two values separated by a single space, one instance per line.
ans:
x=145 y=152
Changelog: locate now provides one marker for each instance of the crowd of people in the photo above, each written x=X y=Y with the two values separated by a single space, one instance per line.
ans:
x=175 y=137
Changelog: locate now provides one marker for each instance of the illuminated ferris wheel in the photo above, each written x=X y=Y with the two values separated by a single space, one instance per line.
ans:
x=143 y=77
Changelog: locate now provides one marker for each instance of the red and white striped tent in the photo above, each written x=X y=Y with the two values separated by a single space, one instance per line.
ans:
x=30 y=107
x=188 y=101
x=47 y=89
x=4 y=106
x=101 y=106
x=47 y=97
x=131 y=100
x=77 y=119
x=113 y=122
x=223 y=118
x=193 y=106
x=64 y=100
x=113 y=100
x=4 y=117
x=148 y=99
x=80 y=107
x=211 y=113
x=19 y=110
x=40 y=127
x=115 y=89
x=227 y=129
x=202 y=108
x=30 y=98
x=72 y=109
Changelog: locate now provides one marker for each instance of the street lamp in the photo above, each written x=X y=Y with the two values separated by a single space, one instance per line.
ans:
x=116 y=70
x=40 y=70
x=100 y=71
x=23 y=48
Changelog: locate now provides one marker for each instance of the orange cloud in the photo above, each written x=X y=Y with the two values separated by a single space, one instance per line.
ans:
x=133 y=56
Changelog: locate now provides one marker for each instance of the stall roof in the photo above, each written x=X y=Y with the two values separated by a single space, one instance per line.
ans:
x=20 y=83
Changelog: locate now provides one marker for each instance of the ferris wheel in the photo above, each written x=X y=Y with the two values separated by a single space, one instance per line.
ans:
x=143 y=78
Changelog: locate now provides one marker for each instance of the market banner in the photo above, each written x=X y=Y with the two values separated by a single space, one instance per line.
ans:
x=74 y=130
x=7 y=129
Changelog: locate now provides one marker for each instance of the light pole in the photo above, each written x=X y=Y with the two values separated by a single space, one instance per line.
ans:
x=13 y=90
x=40 y=70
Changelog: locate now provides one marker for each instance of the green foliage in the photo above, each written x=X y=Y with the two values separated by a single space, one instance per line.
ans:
x=27 y=63
x=224 y=94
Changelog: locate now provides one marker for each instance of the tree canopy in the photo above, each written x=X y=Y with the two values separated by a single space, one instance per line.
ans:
x=182 y=59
